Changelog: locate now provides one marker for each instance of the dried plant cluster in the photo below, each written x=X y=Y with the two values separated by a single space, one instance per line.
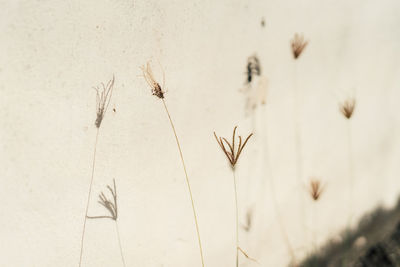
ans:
x=154 y=85
x=232 y=154
x=315 y=189
x=347 y=107
x=232 y=150
x=298 y=45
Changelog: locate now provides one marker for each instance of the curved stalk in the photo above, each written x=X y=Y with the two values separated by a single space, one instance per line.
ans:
x=187 y=182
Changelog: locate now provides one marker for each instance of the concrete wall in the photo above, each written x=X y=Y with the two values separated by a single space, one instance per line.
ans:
x=54 y=52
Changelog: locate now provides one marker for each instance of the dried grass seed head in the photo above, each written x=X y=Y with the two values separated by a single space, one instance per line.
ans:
x=151 y=81
x=315 y=189
x=109 y=204
x=298 y=44
x=347 y=107
x=231 y=153
x=103 y=97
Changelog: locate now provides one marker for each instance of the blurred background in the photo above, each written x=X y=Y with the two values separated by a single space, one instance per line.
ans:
x=54 y=52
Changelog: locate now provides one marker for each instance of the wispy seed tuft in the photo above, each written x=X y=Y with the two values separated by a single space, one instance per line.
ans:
x=347 y=107
x=154 y=85
x=315 y=189
x=298 y=44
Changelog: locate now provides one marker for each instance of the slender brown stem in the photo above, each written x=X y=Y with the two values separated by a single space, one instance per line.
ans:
x=187 y=182
x=88 y=198
x=236 y=218
x=119 y=243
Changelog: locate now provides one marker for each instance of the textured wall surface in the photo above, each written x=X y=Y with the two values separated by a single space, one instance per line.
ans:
x=53 y=52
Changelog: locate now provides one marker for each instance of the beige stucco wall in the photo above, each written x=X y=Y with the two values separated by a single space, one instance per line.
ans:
x=54 y=52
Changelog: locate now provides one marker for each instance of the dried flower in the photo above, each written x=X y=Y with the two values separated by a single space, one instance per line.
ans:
x=103 y=97
x=232 y=155
x=298 y=45
x=316 y=189
x=253 y=68
x=347 y=107
x=149 y=77
x=110 y=205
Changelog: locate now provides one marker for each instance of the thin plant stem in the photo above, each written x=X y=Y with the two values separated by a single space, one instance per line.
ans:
x=233 y=155
x=299 y=167
x=280 y=220
x=187 y=182
x=89 y=194
x=119 y=243
x=314 y=223
x=236 y=218
x=273 y=196
x=351 y=172
x=298 y=146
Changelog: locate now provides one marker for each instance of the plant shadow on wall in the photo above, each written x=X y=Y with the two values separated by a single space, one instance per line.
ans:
x=111 y=206
x=103 y=97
